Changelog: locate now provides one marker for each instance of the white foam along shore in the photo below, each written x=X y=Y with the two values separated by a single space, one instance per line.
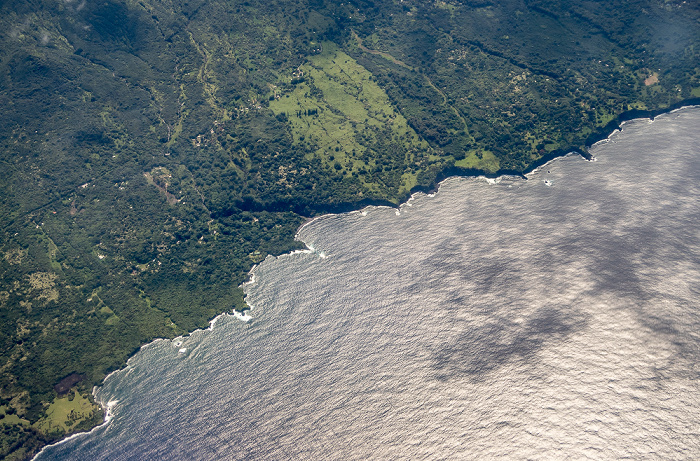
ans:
x=536 y=171
x=179 y=341
x=107 y=408
x=496 y=180
x=365 y=210
x=310 y=250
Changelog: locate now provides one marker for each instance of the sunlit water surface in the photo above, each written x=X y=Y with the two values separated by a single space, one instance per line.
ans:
x=516 y=319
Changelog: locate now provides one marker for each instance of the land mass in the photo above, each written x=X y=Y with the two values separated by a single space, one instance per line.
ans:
x=152 y=152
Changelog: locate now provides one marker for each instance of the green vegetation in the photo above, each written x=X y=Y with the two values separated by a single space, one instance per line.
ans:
x=66 y=413
x=152 y=152
x=340 y=116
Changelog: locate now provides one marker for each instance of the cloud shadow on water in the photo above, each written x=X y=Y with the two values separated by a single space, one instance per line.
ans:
x=481 y=350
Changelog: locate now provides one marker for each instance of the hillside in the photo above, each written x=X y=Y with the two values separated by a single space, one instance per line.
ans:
x=153 y=151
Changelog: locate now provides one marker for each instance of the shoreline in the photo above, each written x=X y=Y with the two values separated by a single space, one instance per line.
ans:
x=599 y=135
x=602 y=134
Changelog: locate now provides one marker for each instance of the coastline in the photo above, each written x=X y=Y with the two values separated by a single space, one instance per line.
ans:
x=602 y=134
x=599 y=135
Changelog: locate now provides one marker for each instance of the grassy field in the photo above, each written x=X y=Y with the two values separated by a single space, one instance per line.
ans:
x=338 y=113
x=480 y=160
x=11 y=419
x=154 y=151
x=66 y=413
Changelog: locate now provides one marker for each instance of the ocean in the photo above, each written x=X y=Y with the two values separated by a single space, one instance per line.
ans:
x=556 y=317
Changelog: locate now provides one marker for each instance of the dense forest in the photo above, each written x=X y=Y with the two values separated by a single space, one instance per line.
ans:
x=153 y=151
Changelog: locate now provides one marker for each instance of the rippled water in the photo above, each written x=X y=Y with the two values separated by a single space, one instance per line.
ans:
x=521 y=319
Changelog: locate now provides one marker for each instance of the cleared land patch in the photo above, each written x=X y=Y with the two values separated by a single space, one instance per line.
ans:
x=339 y=113
x=65 y=414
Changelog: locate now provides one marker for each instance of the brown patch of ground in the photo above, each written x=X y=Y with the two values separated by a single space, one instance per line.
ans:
x=650 y=80
x=162 y=186
x=66 y=383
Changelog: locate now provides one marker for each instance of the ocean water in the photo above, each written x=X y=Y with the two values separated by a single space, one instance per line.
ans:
x=556 y=317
